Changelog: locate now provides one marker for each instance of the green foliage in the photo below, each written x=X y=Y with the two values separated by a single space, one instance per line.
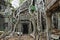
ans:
x=10 y=1
x=21 y=1
x=32 y=8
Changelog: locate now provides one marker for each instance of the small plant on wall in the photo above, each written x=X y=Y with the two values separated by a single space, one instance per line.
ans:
x=32 y=8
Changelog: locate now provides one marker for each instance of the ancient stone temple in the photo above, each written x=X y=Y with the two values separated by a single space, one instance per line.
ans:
x=4 y=9
x=25 y=24
x=32 y=20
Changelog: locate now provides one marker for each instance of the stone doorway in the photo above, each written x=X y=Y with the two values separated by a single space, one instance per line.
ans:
x=25 y=28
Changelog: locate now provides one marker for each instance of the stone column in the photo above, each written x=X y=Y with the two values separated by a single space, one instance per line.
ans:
x=48 y=25
x=19 y=27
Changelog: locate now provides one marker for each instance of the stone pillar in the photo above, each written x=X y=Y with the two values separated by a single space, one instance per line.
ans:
x=19 y=27
x=48 y=25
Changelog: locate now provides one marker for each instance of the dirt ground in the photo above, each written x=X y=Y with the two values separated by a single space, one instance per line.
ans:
x=23 y=37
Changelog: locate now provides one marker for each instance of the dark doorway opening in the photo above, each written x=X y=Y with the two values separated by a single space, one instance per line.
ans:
x=25 y=28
